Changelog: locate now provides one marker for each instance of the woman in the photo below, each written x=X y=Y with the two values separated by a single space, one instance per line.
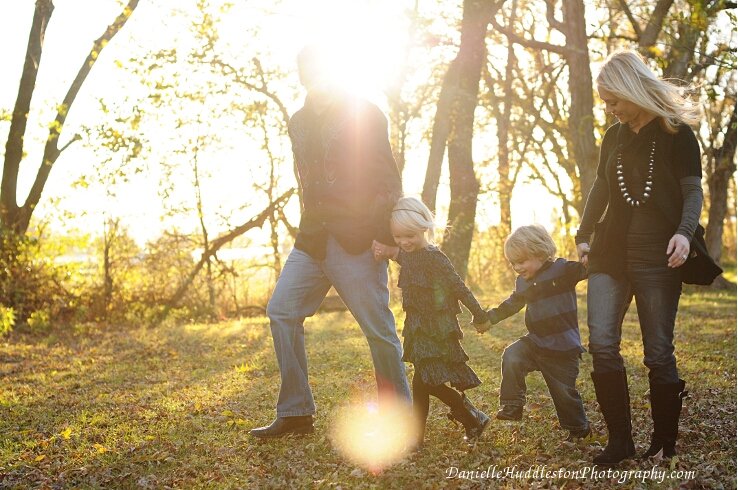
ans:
x=648 y=187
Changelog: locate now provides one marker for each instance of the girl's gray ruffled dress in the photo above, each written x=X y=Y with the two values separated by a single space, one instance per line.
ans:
x=431 y=291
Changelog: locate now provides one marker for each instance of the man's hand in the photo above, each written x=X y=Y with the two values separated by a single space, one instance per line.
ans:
x=383 y=252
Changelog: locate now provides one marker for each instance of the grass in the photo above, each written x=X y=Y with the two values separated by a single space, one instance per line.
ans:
x=171 y=407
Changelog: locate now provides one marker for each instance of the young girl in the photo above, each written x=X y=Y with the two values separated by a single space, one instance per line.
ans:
x=431 y=291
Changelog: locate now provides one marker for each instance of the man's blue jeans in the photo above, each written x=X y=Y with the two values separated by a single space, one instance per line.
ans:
x=361 y=282
x=560 y=373
x=656 y=290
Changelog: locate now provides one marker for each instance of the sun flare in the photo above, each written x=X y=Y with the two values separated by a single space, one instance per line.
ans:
x=367 y=40
x=373 y=436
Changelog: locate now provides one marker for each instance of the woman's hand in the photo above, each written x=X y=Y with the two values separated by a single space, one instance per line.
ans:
x=678 y=250
x=583 y=253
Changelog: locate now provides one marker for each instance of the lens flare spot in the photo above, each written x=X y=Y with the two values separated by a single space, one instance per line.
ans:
x=374 y=436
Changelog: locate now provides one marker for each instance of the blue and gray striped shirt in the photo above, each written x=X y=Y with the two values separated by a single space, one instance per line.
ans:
x=551 y=312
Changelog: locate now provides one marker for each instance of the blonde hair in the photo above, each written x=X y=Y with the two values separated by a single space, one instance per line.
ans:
x=410 y=213
x=529 y=241
x=627 y=76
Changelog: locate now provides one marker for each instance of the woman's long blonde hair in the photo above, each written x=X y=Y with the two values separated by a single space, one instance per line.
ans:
x=626 y=75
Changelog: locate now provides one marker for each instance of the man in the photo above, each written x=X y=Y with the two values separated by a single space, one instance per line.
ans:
x=349 y=180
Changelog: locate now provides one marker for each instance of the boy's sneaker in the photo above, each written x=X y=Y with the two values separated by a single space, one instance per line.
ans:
x=575 y=435
x=510 y=412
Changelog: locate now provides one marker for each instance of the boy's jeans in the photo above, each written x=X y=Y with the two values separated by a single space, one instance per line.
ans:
x=656 y=290
x=560 y=373
x=362 y=285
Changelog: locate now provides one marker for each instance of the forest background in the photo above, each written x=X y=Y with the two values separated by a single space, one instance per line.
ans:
x=148 y=174
x=148 y=180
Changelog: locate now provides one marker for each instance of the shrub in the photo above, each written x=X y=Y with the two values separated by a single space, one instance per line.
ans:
x=28 y=280
x=39 y=320
x=7 y=319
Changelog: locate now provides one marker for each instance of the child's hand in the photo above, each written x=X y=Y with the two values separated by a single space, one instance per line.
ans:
x=482 y=327
x=481 y=323
x=583 y=253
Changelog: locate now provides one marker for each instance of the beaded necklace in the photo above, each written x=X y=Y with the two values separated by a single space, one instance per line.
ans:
x=649 y=179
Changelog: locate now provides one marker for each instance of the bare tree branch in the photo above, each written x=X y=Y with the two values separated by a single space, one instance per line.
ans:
x=633 y=22
x=551 y=16
x=647 y=38
x=262 y=88
x=69 y=143
x=51 y=151
x=218 y=243
x=622 y=37
x=530 y=43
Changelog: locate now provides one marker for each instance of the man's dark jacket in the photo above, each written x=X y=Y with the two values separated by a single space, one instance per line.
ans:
x=348 y=175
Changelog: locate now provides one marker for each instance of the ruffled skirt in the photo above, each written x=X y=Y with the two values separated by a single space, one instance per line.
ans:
x=433 y=346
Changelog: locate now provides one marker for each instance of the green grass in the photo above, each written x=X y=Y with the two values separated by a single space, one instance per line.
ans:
x=171 y=407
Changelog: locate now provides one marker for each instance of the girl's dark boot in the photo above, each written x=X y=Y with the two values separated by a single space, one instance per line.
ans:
x=611 y=389
x=419 y=442
x=473 y=419
x=666 y=405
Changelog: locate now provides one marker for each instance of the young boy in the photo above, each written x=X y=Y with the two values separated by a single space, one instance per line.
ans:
x=545 y=284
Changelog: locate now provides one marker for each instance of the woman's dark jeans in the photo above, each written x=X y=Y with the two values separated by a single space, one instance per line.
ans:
x=656 y=290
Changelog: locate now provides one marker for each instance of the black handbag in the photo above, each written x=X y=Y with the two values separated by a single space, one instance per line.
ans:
x=699 y=267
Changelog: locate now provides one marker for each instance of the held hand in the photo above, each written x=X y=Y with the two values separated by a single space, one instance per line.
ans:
x=482 y=323
x=379 y=250
x=383 y=252
x=678 y=250
x=583 y=253
x=482 y=327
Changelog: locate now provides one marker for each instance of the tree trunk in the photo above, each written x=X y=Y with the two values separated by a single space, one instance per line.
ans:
x=505 y=184
x=682 y=56
x=9 y=208
x=717 y=182
x=648 y=36
x=463 y=181
x=210 y=283
x=397 y=137
x=110 y=231
x=721 y=167
x=581 y=118
x=654 y=26
x=11 y=215
x=439 y=135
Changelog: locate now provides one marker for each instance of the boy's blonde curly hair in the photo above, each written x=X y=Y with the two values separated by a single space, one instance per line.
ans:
x=530 y=241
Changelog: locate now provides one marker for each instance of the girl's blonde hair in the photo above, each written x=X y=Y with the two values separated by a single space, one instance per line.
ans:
x=410 y=213
x=627 y=76
x=530 y=241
